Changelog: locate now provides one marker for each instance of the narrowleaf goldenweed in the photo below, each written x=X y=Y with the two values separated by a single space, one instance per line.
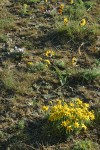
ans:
x=69 y=118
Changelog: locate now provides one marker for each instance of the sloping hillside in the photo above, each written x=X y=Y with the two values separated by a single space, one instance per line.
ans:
x=49 y=50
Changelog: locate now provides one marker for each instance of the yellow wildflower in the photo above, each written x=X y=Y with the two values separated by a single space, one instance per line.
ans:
x=76 y=124
x=69 y=128
x=59 y=101
x=65 y=21
x=73 y=117
x=30 y=63
x=54 y=108
x=83 y=22
x=79 y=102
x=62 y=6
x=64 y=123
x=71 y=104
x=51 y=117
x=84 y=126
x=74 y=61
x=91 y=115
x=86 y=117
x=49 y=53
x=47 y=61
x=86 y=105
x=45 y=108
x=80 y=115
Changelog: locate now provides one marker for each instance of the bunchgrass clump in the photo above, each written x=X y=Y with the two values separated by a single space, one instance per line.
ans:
x=74 y=31
x=85 y=145
x=6 y=23
x=69 y=118
x=80 y=25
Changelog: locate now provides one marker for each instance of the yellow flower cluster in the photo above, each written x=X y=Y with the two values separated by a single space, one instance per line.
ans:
x=72 y=116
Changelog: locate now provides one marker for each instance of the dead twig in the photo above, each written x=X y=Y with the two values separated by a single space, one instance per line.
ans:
x=79 y=49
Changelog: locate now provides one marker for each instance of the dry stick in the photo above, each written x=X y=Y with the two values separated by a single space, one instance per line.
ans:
x=79 y=49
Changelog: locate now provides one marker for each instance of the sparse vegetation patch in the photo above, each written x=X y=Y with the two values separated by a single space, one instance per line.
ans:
x=49 y=74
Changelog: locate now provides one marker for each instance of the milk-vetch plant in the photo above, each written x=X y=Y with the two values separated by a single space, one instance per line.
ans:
x=71 y=117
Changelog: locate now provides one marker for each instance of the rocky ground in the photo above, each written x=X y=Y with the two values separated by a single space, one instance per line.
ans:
x=27 y=79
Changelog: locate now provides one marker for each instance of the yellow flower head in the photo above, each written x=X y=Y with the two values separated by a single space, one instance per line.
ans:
x=49 y=53
x=74 y=61
x=84 y=126
x=47 y=61
x=69 y=128
x=79 y=101
x=91 y=115
x=29 y=63
x=71 y=104
x=86 y=105
x=76 y=125
x=45 y=108
x=54 y=108
x=65 y=21
x=83 y=22
x=59 y=101
x=62 y=6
